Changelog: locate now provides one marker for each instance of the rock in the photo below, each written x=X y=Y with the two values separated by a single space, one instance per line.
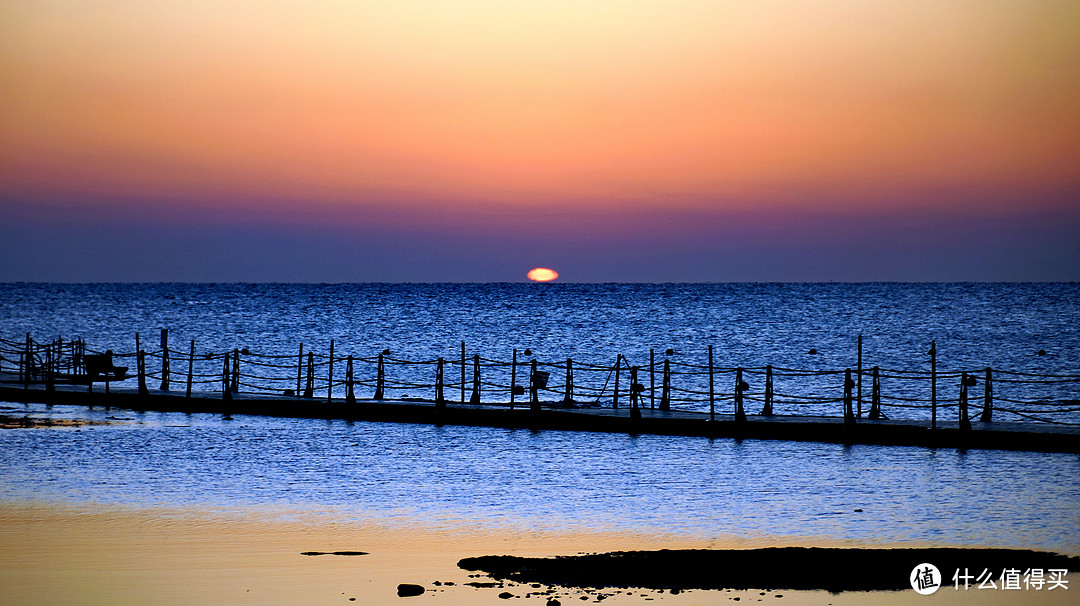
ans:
x=506 y=595
x=408 y=590
x=554 y=602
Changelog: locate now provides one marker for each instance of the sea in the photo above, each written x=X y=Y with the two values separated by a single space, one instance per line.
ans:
x=563 y=482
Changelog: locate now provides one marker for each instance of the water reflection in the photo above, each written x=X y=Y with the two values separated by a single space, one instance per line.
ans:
x=552 y=481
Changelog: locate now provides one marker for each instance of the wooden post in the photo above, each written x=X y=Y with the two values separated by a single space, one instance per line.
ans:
x=463 y=372
x=380 y=380
x=299 y=368
x=164 y=359
x=964 y=419
x=50 y=360
x=875 y=396
x=309 y=387
x=988 y=398
x=712 y=390
x=475 y=399
x=740 y=387
x=665 y=394
x=858 y=394
x=652 y=378
x=138 y=347
x=933 y=385
x=766 y=410
x=568 y=396
x=226 y=393
x=190 y=368
x=615 y=397
x=440 y=400
x=28 y=361
x=534 y=388
x=350 y=397
x=330 y=375
x=513 y=378
x=236 y=370
x=141 y=363
x=849 y=386
x=635 y=393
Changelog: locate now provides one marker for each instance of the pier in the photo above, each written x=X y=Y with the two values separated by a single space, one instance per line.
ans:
x=662 y=397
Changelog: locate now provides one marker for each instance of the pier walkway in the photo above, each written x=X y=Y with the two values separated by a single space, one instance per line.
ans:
x=676 y=395
x=557 y=416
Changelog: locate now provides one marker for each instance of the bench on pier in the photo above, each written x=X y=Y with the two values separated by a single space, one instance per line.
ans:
x=99 y=367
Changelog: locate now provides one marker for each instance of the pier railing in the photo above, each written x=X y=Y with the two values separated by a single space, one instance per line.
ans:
x=661 y=382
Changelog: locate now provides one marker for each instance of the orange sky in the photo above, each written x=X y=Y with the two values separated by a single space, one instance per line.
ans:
x=430 y=111
x=606 y=102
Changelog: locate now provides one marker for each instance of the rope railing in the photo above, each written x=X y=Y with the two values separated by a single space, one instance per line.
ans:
x=671 y=384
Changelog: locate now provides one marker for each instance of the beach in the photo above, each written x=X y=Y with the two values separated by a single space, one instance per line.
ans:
x=64 y=554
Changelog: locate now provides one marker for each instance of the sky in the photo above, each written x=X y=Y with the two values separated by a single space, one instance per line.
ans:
x=613 y=141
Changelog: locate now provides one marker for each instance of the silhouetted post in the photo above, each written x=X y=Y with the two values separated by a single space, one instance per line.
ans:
x=534 y=388
x=849 y=412
x=141 y=364
x=665 y=394
x=513 y=378
x=138 y=346
x=712 y=389
x=190 y=368
x=380 y=380
x=463 y=372
x=475 y=399
x=740 y=387
x=766 y=410
x=309 y=388
x=875 y=396
x=635 y=393
x=440 y=399
x=652 y=379
x=965 y=382
x=933 y=385
x=226 y=394
x=568 y=396
x=236 y=370
x=28 y=360
x=50 y=360
x=164 y=359
x=299 y=368
x=350 y=396
x=330 y=375
x=615 y=397
x=858 y=394
x=988 y=398
x=109 y=353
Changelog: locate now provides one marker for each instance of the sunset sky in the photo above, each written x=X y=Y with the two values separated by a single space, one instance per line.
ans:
x=469 y=140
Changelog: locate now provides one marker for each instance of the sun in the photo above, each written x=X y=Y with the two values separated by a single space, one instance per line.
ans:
x=542 y=274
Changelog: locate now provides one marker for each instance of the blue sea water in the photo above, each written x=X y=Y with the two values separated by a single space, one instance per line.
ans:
x=564 y=481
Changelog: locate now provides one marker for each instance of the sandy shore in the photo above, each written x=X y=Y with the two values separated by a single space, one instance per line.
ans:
x=51 y=554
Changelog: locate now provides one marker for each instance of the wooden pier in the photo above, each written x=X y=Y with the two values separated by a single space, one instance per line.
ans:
x=557 y=416
x=666 y=397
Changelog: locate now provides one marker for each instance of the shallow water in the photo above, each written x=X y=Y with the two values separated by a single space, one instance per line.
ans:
x=550 y=481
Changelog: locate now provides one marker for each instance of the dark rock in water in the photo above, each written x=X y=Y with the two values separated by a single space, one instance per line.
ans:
x=408 y=590
x=506 y=595
x=337 y=553
x=554 y=602
x=806 y=568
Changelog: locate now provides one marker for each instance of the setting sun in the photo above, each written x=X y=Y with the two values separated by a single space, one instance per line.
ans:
x=542 y=274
